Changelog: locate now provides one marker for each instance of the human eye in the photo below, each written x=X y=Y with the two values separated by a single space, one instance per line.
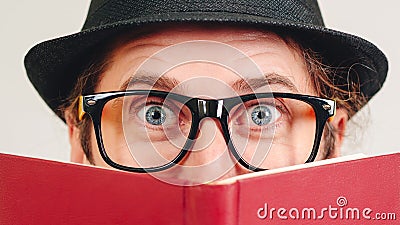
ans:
x=260 y=115
x=263 y=115
x=154 y=113
x=156 y=119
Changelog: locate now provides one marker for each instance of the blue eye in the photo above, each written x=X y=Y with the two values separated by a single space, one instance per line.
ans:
x=262 y=115
x=155 y=115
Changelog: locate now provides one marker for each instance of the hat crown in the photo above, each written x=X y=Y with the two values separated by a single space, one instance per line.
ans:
x=104 y=12
x=54 y=66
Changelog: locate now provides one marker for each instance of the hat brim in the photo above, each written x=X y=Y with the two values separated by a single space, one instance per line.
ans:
x=53 y=66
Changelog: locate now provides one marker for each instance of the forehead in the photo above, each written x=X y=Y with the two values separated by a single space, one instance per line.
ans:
x=271 y=53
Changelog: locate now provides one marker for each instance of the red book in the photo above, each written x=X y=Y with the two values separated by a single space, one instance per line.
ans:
x=360 y=191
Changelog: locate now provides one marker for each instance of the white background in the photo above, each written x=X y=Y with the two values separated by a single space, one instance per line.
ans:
x=28 y=126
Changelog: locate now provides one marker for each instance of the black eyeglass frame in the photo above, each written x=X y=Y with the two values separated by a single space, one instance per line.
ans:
x=201 y=108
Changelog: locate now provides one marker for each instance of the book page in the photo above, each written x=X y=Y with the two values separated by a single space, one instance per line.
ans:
x=290 y=168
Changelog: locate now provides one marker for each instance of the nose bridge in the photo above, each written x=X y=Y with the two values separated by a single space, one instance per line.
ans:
x=210 y=136
x=210 y=108
x=210 y=143
x=210 y=155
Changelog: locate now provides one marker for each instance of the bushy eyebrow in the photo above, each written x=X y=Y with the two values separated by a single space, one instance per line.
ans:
x=241 y=85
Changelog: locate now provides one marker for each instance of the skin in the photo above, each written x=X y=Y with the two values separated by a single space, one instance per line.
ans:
x=272 y=55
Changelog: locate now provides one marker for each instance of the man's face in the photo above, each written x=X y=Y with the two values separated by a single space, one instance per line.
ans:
x=274 y=57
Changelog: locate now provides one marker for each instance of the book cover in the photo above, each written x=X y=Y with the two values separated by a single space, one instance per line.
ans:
x=358 y=191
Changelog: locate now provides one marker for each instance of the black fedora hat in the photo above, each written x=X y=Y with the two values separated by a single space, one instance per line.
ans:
x=53 y=66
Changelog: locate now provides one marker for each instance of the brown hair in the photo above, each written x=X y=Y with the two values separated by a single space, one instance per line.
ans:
x=86 y=83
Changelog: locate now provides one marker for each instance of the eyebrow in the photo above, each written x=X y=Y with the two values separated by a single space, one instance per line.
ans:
x=241 y=85
x=251 y=84
x=158 y=82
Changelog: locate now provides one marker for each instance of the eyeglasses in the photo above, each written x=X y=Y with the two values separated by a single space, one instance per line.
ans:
x=149 y=131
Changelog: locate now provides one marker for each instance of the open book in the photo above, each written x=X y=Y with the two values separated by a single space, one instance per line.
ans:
x=346 y=190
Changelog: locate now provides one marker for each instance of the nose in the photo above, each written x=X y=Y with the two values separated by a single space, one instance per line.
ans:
x=209 y=144
x=209 y=158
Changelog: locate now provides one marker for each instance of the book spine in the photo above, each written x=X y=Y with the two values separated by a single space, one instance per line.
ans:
x=211 y=204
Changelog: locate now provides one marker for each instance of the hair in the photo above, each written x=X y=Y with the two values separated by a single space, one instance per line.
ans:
x=86 y=83
x=324 y=79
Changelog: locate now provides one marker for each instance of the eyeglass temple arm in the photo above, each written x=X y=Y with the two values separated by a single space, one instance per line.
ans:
x=81 y=112
x=333 y=109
